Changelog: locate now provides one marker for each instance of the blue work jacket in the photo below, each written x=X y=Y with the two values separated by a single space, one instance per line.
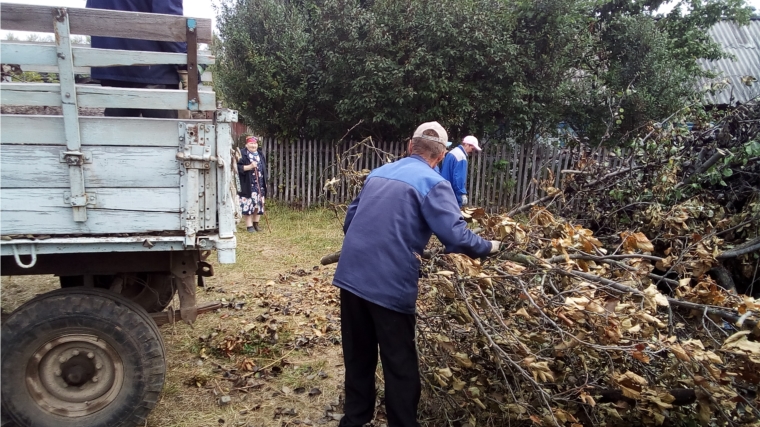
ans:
x=152 y=74
x=391 y=221
x=454 y=170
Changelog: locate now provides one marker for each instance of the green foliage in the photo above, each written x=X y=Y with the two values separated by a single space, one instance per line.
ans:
x=31 y=77
x=319 y=68
x=262 y=67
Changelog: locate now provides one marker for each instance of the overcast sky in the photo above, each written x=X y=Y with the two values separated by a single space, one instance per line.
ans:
x=204 y=8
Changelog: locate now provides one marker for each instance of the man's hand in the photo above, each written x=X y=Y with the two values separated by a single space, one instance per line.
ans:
x=464 y=200
x=495 y=246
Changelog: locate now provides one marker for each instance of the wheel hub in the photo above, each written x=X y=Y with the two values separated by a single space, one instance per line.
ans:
x=75 y=375
x=78 y=370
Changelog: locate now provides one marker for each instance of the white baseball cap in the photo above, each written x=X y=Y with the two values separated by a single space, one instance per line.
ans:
x=442 y=138
x=471 y=140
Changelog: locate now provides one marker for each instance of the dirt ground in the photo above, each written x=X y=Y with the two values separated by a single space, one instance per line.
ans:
x=272 y=355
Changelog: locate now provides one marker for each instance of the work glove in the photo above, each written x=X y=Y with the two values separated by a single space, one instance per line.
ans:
x=464 y=200
x=495 y=246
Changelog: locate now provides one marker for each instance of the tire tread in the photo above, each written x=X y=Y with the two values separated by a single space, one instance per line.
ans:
x=35 y=316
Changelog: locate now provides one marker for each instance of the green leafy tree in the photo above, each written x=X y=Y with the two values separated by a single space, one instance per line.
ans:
x=378 y=67
x=262 y=67
x=642 y=67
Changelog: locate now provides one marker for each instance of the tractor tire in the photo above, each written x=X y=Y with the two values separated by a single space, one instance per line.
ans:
x=79 y=357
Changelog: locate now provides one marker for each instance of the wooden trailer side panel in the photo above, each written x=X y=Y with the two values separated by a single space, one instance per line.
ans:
x=131 y=173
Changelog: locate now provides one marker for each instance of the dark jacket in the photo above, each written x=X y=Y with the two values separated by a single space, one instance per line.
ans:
x=153 y=74
x=247 y=177
x=401 y=205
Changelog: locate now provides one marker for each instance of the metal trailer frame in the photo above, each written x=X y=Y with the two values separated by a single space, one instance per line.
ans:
x=206 y=215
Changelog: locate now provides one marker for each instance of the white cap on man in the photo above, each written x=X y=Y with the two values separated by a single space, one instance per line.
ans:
x=442 y=138
x=472 y=141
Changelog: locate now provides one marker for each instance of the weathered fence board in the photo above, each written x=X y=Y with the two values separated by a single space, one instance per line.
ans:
x=503 y=176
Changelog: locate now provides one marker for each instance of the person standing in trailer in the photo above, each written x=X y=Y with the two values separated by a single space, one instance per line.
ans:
x=139 y=77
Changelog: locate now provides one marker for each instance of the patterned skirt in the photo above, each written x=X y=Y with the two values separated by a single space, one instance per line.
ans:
x=254 y=205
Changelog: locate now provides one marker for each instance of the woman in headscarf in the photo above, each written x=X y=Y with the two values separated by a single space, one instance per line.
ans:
x=252 y=170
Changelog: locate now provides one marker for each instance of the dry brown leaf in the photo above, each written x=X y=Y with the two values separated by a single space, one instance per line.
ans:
x=523 y=313
x=479 y=403
x=577 y=302
x=463 y=360
x=445 y=372
x=654 y=297
x=465 y=265
x=594 y=307
x=441 y=381
x=650 y=319
x=564 y=416
x=630 y=378
x=634 y=241
x=512 y=267
x=739 y=343
x=587 y=399
x=641 y=356
x=541 y=371
x=662 y=400
x=680 y=353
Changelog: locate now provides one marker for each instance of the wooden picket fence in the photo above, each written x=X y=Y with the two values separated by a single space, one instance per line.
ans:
x=504 y=175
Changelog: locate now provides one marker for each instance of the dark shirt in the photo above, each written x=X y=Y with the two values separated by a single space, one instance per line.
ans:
x=152 y=74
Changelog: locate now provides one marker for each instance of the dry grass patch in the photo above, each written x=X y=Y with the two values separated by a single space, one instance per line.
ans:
x=278 y=289
x=16 y=290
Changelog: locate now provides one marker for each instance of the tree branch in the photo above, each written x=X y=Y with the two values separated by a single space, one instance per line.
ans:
x=750 y=246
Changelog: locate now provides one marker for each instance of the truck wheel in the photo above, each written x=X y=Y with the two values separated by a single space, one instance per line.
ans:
x=79 y=357
x=151 y=291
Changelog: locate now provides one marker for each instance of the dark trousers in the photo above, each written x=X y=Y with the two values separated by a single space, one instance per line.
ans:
x=364 y=326
x=137 y=112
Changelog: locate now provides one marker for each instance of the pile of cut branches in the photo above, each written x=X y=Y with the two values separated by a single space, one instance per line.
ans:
x=559 y=330
x=696 y=172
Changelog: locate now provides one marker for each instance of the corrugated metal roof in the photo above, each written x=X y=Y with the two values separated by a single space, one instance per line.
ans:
x=743 y=42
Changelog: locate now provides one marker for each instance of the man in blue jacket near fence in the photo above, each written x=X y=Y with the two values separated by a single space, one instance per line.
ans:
x=151 y=76
x=388 y=224
x=454 y=167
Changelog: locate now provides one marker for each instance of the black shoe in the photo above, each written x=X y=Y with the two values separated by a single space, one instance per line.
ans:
x=256 y=226
x=252 y=229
